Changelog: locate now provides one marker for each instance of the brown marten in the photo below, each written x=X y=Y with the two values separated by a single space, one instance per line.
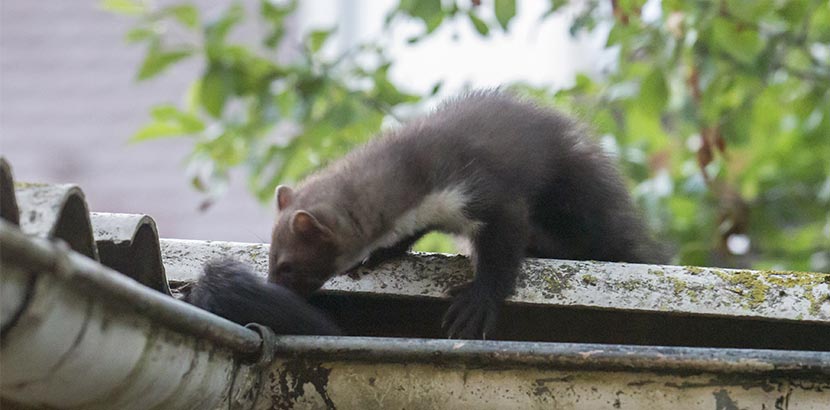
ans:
x=230 y=289
x=514 y=178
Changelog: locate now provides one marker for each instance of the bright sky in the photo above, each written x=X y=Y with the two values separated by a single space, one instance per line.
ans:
x=540 y=54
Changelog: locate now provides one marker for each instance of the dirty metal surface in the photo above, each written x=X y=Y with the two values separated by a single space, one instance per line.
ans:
x=367 y=373
x=56 y=211
x=129 y=243
x=184 y=259
x=135 y=348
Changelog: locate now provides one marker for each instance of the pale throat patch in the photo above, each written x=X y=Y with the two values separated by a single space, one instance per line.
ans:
x=442 y=210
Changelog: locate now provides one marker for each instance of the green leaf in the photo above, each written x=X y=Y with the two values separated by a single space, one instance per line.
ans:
x=794 y=11
x=157 y=60
x=750 y=10
x=156 y=130
x=140 y=34
x=215 y=89
x=193 y=96
x=187 y=14
x=554 y=6
x=125 y=7
x=479 y=24
x=275 y=14
x=217 y=30
x=644 y=126
x=743 y=44
x=168 y=121
x=820 y=24
x=317 y=38
x=386 y=92
x=429 y=11
x=436 y=88
x=189 y=123
x=505 y=11
x=621 y=34
x=654 y=92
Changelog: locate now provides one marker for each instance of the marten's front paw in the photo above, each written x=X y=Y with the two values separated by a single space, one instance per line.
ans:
x=473 y=313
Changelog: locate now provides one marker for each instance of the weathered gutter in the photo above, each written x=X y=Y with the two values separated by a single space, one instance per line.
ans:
x=57 y=262
x=426 y=374
x=76 y=334
x=559 y=356
x=566 y=301
x=88 y=337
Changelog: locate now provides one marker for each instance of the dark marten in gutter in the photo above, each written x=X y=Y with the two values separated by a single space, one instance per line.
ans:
x=230 y=289
x=514 y=178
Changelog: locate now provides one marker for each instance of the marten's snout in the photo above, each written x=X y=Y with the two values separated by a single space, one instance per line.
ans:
x=301 y=284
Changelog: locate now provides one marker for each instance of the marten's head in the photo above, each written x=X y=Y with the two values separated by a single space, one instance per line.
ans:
x=303 y=246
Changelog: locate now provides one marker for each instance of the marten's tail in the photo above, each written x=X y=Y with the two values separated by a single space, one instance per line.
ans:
x=230 y=289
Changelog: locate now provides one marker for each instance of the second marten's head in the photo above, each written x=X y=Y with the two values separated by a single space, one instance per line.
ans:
x=304 y=248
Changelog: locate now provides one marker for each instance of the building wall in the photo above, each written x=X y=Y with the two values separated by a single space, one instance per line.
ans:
x=69 y=104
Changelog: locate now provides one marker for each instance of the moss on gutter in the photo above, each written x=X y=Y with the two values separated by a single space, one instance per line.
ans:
x=747 y=284
x=694 y=270
x=631 y=285
x=755 y=286
x=679 y=286
x=589 y=280
x=558 y=280
x=24 y=185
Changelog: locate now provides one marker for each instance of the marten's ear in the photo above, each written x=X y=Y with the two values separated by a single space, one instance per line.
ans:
x=305 y=224
x=284 y=197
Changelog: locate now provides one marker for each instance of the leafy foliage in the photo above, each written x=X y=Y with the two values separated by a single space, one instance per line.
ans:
x=247 y=108
x=718 y=110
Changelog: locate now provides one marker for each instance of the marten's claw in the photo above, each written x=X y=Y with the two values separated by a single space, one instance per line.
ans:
x=472 y=314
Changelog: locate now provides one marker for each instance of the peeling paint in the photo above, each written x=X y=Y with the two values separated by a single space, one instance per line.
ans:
x=724 y=402
x=289 y=383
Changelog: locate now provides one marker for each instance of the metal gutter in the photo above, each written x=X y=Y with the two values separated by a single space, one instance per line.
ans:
x=426 y=374
x=79 y=335
x=137 y=348
x=51 y=260
x=561 y=356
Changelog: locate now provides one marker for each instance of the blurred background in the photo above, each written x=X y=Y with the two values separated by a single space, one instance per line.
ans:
x=193 y=111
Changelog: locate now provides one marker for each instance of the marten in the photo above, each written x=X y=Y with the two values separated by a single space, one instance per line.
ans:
x=232 y=290
x=514 y=178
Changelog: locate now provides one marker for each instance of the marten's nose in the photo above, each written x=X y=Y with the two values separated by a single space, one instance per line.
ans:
x=300 y=284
